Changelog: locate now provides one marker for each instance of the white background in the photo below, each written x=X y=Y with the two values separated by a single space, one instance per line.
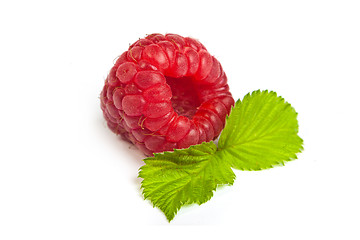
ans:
x=64 y=175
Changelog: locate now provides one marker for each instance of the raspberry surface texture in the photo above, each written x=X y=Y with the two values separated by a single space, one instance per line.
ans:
x=166 y=92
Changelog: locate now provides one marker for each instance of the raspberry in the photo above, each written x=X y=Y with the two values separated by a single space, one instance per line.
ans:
x=166 y=92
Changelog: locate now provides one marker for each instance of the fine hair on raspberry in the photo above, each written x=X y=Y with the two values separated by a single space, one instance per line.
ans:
x=166 y=92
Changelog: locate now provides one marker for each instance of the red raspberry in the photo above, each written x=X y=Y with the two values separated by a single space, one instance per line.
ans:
x=166 y=92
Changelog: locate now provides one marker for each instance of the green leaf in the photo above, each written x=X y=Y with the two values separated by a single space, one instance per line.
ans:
x=173 y=179
x=261 y=132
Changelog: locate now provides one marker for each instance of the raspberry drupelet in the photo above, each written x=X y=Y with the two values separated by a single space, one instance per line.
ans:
x=166 y=92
